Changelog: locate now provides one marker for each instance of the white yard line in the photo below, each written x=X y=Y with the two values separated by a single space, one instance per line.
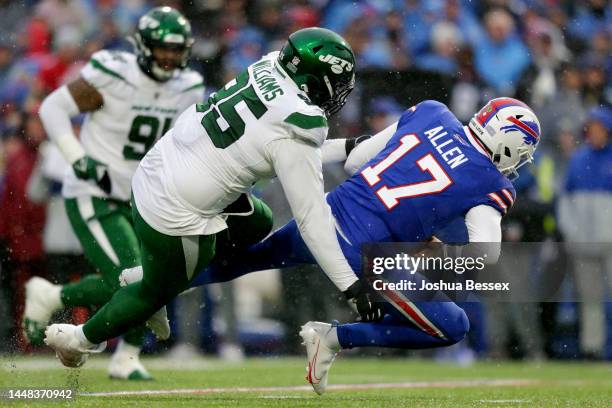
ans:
x=504 y=401
x=335 y=387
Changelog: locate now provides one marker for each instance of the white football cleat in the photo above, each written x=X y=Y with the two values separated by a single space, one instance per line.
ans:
x=125 y=364
x=70 y=344
x=322 y=346
x=42 y=299
x=159 y=324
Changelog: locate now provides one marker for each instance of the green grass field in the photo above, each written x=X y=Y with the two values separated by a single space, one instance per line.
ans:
x=279 y=382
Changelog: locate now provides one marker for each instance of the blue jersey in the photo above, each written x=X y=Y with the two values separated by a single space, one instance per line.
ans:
x=426 y=179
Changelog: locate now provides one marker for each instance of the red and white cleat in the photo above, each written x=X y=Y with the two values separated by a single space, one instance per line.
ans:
x=322 y=346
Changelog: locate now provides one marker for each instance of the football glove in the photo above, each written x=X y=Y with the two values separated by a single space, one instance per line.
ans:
x=363 y=302
x=87 y=168
x=350 y=144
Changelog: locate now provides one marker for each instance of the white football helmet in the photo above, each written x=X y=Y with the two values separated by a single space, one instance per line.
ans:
x=509 y=131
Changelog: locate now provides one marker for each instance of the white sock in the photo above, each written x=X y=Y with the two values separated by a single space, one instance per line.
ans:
x=55 y=295
x=82 y=339
x=86 y=345
x=331 y=337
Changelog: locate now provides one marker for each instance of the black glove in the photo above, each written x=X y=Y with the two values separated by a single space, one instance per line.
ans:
x=87 y=168
x=350 y=144
x=364 y=303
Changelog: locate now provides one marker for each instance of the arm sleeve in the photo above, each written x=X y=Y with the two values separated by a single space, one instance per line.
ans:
x=483 y=223
x=298 y=167
x=366 y=150
x=334 y=151
x=55 y=113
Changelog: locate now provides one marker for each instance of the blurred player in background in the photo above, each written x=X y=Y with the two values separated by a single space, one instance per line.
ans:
x=131 y=100
x=192 y=188
x=425 y=176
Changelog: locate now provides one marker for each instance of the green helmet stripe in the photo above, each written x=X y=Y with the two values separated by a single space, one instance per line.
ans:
x=306 y=121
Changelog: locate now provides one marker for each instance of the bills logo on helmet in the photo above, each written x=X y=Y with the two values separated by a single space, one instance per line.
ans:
x=529 y=129
x=337 y=64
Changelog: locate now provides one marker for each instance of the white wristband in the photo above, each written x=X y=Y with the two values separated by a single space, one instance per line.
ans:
x=70 y=147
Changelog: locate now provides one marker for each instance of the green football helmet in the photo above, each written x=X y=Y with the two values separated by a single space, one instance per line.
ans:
x=322 y=64
x=162 y=27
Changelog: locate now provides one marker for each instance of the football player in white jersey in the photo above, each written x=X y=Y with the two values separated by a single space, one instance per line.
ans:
x=131 y=100
x=192 y=189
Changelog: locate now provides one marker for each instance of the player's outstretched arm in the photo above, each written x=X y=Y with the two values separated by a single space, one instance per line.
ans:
x=365 y=151
x=55 y=113
x=298 y=167
x=337 y=150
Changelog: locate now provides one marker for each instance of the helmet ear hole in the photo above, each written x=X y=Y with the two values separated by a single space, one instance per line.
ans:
x=507 y=152
x=317 y=48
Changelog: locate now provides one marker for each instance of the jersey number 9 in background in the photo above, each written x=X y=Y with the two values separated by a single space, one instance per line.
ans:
x=143 y=133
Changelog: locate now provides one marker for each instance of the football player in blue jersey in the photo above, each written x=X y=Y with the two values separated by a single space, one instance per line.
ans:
x=409 y=183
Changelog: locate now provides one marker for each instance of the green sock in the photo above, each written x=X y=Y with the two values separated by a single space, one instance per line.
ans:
x=128 y=308
x=91 y=290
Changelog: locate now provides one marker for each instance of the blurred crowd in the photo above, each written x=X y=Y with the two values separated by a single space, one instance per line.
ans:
x=553 y=54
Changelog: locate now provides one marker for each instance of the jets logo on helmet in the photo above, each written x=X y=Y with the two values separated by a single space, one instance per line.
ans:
x=337 y=64
x=509 y=131
x=147 y=21
x=321 y=64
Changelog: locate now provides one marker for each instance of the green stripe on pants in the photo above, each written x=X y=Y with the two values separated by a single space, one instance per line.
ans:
x=104 y=229
x=166 y=273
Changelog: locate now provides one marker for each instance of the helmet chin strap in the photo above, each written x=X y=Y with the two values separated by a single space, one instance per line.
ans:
x=481 y=145
x=329 y=87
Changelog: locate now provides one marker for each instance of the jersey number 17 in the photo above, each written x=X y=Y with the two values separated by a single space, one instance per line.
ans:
x=390 y=196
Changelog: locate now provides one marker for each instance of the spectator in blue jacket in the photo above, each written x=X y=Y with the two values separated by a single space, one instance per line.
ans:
x=446 y=39
x=591 y=17
x=500 y=55
x=585 y=217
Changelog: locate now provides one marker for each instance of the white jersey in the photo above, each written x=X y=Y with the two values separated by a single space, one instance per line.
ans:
x=137 y=111
x=189 y=177
x=258 y=126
